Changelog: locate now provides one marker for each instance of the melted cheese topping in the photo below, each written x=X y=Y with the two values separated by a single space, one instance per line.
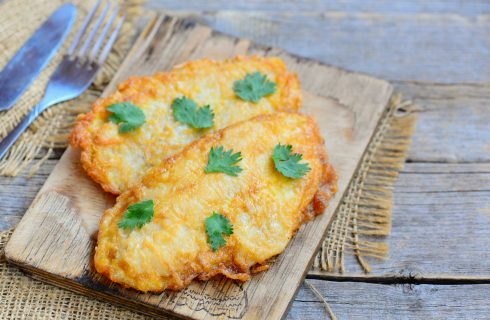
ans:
x=117 y=161
x=264 y=207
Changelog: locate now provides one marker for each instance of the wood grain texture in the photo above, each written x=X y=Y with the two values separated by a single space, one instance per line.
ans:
x=357 y=300
x=437 y=46
x=469 y=8
x=17 y=193
x=440 y=226
x=453 y=122
x=54 y=239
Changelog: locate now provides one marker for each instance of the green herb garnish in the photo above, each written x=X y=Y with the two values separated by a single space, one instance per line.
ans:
x=186 y=111
x=128 y=116
x=137 y=215
x=287 y=163
x=217 y=225
x=253 y=87
x=223 y=161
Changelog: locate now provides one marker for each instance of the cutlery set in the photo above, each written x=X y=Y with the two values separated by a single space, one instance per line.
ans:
x=75 y=73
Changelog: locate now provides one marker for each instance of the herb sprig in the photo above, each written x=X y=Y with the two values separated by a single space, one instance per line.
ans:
x=127 y=115
x=253 y=87
x=186 y=111
x=217 y=225
x=220 y=160
x=287 y=162
x=137 y=215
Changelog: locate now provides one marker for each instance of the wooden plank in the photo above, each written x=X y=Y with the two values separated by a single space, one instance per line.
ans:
x=469 y=8
x=357 y=300
x=54 y=238
x=453 y=123
x=440 y=226
x=17 y=193
x=402 y=45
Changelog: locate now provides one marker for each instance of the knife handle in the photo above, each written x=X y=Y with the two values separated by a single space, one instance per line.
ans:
x=10 y=139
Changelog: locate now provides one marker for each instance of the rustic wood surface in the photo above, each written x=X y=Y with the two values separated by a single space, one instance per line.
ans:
x=434 y=53
x=421 y=40
x=360 y=300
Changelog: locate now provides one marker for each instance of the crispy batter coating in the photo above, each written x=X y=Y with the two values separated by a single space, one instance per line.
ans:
x=264 y=207
x=117 y=161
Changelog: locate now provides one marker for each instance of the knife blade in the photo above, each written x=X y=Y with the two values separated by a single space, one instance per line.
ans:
x=34 y=55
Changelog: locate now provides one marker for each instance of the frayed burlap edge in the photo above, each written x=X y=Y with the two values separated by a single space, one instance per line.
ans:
x=364 y=216
x=51 y=129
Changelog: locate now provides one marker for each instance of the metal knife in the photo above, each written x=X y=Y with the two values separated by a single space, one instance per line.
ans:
x=34 y=55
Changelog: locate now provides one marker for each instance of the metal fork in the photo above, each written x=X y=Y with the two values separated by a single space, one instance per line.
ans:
x=76 y=71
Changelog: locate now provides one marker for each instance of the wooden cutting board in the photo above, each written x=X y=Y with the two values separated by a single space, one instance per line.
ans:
x=55 y=239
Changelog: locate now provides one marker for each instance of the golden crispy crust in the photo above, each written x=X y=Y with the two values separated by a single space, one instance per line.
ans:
x=265 y=208
x=117 y=161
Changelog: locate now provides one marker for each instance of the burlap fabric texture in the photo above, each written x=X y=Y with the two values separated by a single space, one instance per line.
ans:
x=364 y=215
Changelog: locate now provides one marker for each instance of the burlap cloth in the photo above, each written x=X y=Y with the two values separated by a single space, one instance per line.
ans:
x=364 y=216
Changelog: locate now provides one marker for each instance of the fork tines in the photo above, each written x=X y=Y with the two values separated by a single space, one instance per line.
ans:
x=89 y=49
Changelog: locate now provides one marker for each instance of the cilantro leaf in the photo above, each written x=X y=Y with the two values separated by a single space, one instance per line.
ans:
x=223 y=161
x=253 y=87
x=137 y=215
x=186 y=111
x=287 y=163
x=217 y=225
x=129 y=116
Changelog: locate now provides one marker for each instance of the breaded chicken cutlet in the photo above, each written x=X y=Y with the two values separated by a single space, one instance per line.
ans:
x=226 y=204
x=150 y=118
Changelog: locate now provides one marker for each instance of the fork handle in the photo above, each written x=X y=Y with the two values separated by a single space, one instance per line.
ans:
x=10 y=139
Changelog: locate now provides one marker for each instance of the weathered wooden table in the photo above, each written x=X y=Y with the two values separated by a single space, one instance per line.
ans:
x=436 y=53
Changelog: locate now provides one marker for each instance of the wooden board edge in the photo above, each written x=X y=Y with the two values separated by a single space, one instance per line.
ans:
x=398 y=278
